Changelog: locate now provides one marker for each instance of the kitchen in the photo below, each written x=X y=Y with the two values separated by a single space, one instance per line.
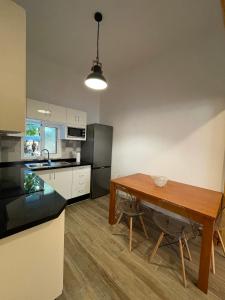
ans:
x=69 y=153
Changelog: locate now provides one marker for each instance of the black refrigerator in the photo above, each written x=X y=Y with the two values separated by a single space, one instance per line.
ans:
x=97 y=150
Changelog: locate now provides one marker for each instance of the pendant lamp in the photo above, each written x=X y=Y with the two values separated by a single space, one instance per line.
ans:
x=95 y=80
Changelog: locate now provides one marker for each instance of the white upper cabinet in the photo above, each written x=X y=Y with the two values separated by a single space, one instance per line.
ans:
x=82 y=118
x=44 y=111
x=57 y=114
x=76 y=117
x=12 y=67
x=37 y=110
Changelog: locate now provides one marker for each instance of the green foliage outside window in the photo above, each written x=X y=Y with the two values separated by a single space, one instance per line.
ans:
x=32 y=130
x=38 y=137
x=32 y=183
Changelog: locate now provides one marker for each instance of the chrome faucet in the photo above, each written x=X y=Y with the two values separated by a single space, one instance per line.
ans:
x=49 y=160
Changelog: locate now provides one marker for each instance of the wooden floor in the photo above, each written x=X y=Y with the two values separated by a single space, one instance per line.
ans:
x=99 y=266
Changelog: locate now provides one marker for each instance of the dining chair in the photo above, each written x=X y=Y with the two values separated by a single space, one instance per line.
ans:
x=179 y=230
x=217 y=228
x=128 y=205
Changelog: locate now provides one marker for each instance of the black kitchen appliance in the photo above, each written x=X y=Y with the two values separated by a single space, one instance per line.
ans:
x=97 y=150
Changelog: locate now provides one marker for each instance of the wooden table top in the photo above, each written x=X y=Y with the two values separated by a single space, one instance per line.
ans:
x=195 y=199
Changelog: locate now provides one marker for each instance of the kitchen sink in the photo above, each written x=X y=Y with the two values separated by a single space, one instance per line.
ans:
x=59 y=163
x=46 y=165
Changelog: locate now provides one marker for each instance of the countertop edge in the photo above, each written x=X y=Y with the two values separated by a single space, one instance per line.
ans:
x=71 y=165
x=49 y=217
x=30 y=225
x=24 y=162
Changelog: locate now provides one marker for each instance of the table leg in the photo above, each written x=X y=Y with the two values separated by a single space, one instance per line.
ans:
x=112 y=204
x=206 y=248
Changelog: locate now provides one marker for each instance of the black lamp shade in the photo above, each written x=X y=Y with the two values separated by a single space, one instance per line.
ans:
x=95 y=80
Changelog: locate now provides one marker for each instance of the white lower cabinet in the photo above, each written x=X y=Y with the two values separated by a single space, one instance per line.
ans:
x=59 y=179
x=68 y=182
x=63 y=181
x=33 y=261
x=81 y=181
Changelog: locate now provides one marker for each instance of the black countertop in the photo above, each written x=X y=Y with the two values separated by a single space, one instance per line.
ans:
x=25 y=199
x=72 y=163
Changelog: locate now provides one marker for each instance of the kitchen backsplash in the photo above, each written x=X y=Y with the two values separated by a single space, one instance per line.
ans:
x=68 y=147
x=10 y=148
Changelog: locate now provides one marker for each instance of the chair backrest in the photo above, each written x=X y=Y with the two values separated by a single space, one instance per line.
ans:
x=124 y=199
x=183 y=217
x=220 y=216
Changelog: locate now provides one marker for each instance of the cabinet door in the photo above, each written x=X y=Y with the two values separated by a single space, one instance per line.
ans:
x=37 y=110
x=81 y=181
x=82 y=118
x=62 y=179
x=76 y=117
x=102 y=145
x=100 y=182
x=58 y=114
x=59 y=179
x=71 y=117
x=12 y=67
x=46 y=175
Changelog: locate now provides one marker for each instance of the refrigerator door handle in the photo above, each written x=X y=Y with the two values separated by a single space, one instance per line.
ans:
x=101 y=167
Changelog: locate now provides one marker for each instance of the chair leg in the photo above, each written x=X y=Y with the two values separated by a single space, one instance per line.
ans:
x=182 y=262
x=213 y=259
x=221 y=241
x=143 y=227
x=156 y=246
x=187 y=247
x=119 y=219
x=130 y=233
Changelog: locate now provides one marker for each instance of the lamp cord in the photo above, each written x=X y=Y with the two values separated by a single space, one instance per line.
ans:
x=97 y=57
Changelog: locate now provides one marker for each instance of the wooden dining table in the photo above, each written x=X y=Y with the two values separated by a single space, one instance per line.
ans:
x=200 y=204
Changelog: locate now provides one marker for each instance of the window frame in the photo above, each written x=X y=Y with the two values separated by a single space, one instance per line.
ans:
x=43 y=138
x=43 y=124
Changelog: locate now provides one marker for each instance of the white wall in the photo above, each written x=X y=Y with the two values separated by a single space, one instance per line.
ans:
x=169 y=115
x=54 y=83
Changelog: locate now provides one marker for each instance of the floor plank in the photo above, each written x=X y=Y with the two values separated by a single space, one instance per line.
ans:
x=99 y=266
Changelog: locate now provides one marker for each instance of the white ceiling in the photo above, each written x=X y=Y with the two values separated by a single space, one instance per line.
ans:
x=132 y=31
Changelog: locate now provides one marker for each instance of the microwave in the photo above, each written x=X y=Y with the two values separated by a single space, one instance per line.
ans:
x=73 y=133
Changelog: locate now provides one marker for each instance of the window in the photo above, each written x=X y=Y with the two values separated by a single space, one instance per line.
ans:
x=32 y=140
x=50 y=139
x=38 y=137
